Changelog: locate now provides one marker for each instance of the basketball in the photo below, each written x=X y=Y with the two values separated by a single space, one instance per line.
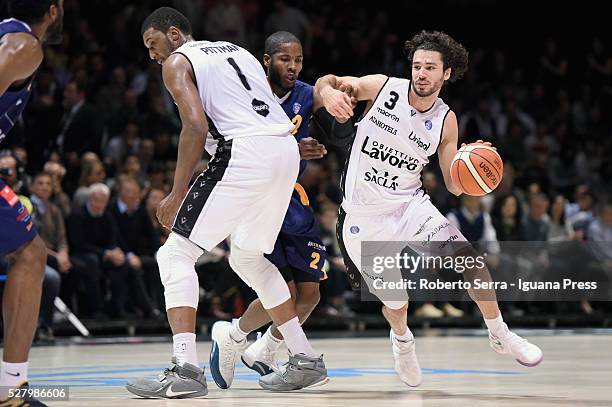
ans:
x=477 y=169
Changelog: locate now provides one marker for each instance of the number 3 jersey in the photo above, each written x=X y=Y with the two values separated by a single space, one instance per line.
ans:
x=234 y=90
x=392 y=145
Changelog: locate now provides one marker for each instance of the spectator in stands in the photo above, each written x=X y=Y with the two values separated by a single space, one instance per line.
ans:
x=79 y=127
x=536 y=225
x=560 y=229
x=92 y=236
x=49 y=224
x=579 y=214
x=507 y=218
x=139 y=240
x=92 y=172
x=12 y=173
x=57 y=171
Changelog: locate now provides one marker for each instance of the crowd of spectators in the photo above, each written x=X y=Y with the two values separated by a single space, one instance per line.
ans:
x=95 y=151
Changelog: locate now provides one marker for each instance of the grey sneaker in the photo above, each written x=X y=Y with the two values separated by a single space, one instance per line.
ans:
x=177 y=382
x=299 y=372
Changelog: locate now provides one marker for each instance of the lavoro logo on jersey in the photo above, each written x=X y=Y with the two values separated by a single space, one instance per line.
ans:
x=389 y=155
x=260 y=107
x=382 y=178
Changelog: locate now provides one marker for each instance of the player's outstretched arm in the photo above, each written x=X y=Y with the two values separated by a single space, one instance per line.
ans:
x=20 y=56
x=333 y=92
x=179 y=80
x=448 y=149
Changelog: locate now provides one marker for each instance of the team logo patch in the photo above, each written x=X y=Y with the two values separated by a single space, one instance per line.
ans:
x=296 y=107
x=354 y=229
x=260 y=107
x=9 y=196
x=428 y=124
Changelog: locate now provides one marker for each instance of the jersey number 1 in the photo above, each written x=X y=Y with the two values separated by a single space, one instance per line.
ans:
x=243 y=78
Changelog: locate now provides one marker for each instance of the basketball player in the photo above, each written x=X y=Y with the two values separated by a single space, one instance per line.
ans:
x=34 y=22
x=299 y=251
x=221 y=88
x=406 y=123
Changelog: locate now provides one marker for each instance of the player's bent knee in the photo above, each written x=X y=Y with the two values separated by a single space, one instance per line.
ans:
x=261 y=275
x=176 y=260
x=308 y=298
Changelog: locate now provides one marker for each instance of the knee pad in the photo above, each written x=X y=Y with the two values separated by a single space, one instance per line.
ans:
x=176 y=260
x=261 y=275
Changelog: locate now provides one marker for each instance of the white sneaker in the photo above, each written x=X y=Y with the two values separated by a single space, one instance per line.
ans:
x=260 y=357
x=224 y=354
x=406 y=362
x=524 y=352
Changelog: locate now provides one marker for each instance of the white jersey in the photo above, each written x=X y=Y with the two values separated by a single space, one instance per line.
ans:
x=392 y=145
x=236 y=95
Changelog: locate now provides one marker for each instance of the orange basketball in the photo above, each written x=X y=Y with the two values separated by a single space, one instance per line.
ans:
x=477 y=169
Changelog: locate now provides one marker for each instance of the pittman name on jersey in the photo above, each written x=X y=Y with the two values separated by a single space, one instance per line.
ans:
x=220 y=49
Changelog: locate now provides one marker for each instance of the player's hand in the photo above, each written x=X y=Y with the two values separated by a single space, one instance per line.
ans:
x=348 y=89
x=484 y=143
x=311 y=149
x=168 y=208
x=337 y=103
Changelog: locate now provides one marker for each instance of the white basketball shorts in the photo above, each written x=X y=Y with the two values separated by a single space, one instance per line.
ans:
x=415 y=221
x=244 y=194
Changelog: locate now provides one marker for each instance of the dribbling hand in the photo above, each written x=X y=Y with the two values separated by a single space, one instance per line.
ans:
x=484 y=143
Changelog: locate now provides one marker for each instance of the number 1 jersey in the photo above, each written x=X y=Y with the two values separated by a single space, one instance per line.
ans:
x=235 y=93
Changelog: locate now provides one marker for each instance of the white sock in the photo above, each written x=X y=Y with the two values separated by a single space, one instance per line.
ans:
x=497 y=326
x=272 y=342
x=406 y=337
x=11 y=376
x=236 y=333
x=295 y=338
x=184 y=346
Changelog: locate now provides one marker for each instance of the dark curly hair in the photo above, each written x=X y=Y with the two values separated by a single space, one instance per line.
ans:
x=454 y=55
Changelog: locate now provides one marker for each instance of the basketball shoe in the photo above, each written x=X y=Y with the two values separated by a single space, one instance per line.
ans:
x=260 y=355
x=524 y=352
x=406 y=362
x=299 y=372
x=177 y=382
x=224 y=354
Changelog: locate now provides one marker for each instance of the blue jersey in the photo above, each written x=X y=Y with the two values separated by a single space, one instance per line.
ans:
x=299 y=242
x=299 y=219
x=13 y=101
x=298 y=108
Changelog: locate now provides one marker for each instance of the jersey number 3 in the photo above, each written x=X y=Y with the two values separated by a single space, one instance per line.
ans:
x=391 y=103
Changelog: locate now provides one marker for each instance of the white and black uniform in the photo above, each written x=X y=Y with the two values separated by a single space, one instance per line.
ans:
x=384 y=199
x=246 y=189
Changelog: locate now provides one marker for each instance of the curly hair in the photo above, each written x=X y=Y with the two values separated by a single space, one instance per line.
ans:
x=454 y=55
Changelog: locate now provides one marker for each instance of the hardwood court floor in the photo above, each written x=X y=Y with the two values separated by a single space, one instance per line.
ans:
x=458 y=371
